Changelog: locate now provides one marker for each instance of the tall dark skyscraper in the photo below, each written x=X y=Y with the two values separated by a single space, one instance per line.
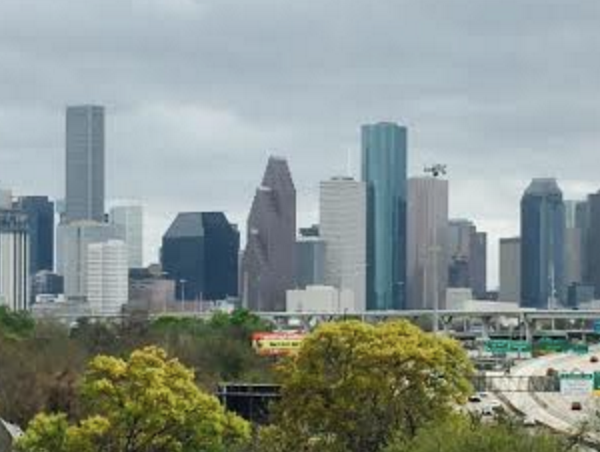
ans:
x=542 y=245
x=200 y=252
x=592 y=233
x=384 y=160
x=40 y=218
x=270 y=257
x=478 y=264
x=85 y=163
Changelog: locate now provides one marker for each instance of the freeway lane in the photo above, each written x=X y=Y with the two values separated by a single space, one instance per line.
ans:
x=554 y=409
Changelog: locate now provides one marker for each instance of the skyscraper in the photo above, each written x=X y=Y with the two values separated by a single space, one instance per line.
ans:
x=107 y=277
x=343 y=216
x=130 y=217
x=384 y=160
x=592 y=267
x=85 y=163
x=14 y=260
x=40 y=220
x=542 y=245
x=73 y=240
x=478 y=264
x=510 y=269
x=269 y=259
x=460 y=232
x=200 y=253
x=427 y=274
x=310 y=260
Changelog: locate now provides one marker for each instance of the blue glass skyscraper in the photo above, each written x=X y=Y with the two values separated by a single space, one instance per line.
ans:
x=384 y=159
x=542 y=245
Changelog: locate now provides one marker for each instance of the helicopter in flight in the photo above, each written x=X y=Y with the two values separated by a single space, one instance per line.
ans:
x=436 y=170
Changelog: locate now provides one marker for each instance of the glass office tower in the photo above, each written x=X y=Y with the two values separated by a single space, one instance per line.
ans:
x=384 y=160
x=542 y=245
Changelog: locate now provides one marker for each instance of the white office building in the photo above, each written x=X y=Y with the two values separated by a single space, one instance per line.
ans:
x=14 y=260
x=107 y=277
x=130 y=217
x=72 y=242
x=427 y=248
x=343 y=227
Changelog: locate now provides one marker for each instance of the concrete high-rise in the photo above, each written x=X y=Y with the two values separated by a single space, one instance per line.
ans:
x=107 y=277
x=270 y=257
x=510 y=269
x=427 y=271
x=40 y=220
x=542 y=245
x=73 y=240
x=130 y=217
x=384 y=167
x=467 y=257
x=343 y=226
x=200 y=253
x=14 y=260
x=592 y=265
x=85 y=163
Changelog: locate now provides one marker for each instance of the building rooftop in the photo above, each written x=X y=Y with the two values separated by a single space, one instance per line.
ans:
x=543 y=186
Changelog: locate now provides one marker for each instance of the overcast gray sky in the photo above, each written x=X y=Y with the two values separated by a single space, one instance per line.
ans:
x=199 y=92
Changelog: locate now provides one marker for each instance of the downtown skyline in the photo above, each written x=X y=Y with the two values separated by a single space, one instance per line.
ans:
x=496 y=118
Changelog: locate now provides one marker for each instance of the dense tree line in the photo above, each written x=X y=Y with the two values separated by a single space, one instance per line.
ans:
x=145 y=387
x=42 y=362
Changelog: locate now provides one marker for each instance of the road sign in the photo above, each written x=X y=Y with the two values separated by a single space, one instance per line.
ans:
x=503 y=347
x=576 y=384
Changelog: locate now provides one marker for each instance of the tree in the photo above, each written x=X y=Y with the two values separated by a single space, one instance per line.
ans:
x=459 y=434
x=352 y=385
x=148 y=403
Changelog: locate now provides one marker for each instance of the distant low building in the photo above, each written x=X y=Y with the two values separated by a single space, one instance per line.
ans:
x=150 y=291
x=320 y=299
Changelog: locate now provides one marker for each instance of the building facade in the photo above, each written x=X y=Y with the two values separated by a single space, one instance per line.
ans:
x=427 y=271
x=592 y=266
x=85 y=163
x=343 y=216
x=542 y=245
x=510 y=269
x=14 y=260
x=130 y=217
x=40 y=218
x=270 y=257
x=384 y=169
x=200 y=253
x=107 y=277
x=310 y=261
x=478 y=265
x=73 y=240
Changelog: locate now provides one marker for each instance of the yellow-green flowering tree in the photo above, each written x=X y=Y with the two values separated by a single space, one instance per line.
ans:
x=353 y=386
x=148 y=403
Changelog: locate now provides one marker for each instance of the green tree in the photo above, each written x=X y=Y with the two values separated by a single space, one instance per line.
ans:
x=460 y=434
x=148 y=403
x=353 y=385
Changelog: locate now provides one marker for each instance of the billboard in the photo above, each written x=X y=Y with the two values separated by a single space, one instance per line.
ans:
x=277 y=344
